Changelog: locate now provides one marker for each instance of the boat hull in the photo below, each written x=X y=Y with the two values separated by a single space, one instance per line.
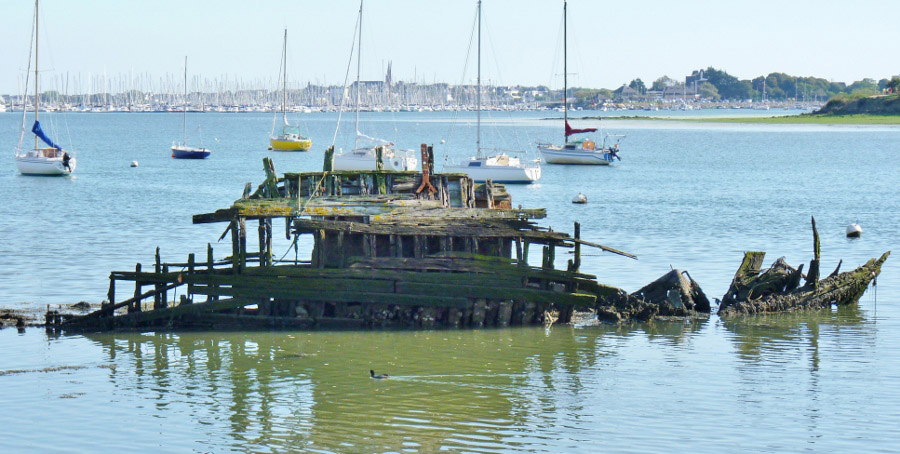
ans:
x=289 y=145
x=577 y=157
x=498 y=174
x=179 y=152
x=31 y=165
x=354 y=161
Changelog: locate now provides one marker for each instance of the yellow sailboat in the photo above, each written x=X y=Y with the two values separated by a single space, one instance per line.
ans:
x=290 y=138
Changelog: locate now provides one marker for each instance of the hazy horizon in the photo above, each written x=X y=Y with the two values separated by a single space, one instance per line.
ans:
x=610 y=43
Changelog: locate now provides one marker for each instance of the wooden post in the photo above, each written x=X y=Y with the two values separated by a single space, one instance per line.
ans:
x=235 y=248
x=812 y=276
x=111 y=294
x=136 y=304
x=261 y=232
x=210 y=269
x=379 y=160
x=190 y=287
x=329 y=159
x=576 y=262
x=242 y=228
x=418 y=246
x=519 y=251
x=157 y=268
x=426 y=173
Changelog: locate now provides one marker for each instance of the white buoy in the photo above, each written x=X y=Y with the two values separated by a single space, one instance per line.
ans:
x=580 y=198
x=134 y=163
x=443 y=141
x=854 y=231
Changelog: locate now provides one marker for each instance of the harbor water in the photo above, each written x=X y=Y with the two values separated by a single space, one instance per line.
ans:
x=686 y=195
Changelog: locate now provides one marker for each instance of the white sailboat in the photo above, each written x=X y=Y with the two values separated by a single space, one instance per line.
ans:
x=500 y=168
x=582 y=151
x=363 y=155
x=51 y=160
x=183 y=150
x=290 y=138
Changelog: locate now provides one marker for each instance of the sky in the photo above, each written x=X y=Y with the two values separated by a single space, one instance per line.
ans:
x=611 y=42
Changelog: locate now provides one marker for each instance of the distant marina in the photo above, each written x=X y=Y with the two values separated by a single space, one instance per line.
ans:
x=375 y=96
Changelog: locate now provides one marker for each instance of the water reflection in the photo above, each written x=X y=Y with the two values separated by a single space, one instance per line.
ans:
x=757 y=337
x=457 y=390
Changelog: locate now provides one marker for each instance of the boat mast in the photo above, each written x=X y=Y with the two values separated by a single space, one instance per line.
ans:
x=184 y=107
x=37 y=98
x=358 y=55
x=284 y=81
x=478 y=93
x=565 y=74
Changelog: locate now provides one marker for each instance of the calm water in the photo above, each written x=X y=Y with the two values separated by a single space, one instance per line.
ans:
x=690 y=196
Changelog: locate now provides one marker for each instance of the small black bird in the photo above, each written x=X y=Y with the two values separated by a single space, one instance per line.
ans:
x=379 y=376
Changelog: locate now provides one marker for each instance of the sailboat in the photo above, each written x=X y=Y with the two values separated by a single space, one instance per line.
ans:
x=290 y=138
x=363 y=155
x=182 y=150
x=52 y=159
x=500 y=168
x=582 y=151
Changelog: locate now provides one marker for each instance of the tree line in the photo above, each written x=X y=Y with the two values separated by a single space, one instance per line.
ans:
x=715 y=84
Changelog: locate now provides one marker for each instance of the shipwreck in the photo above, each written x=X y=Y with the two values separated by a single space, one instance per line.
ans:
x=390 y=248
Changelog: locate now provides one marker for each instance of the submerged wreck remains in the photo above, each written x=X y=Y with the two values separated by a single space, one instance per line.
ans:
x=778 y=288
x=389 y=249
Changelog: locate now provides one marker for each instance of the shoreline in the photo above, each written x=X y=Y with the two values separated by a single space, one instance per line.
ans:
x=786 y=119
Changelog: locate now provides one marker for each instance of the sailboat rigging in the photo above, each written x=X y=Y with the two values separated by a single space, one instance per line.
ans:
x=290 y=138
x=364 y=153
x=51 y=160
x=581 y=151
x=500 y=168
x=182 y=150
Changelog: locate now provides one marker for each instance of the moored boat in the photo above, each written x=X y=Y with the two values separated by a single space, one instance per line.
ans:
x=499 y=167
x=183 y=150
x=366 y=149
x=51 y=160
x=290 y=138
x=582 y=152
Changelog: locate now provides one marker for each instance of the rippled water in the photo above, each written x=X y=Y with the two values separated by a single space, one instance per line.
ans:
x=693 y=196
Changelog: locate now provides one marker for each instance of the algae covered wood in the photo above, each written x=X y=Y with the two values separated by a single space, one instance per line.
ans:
x=778 y=289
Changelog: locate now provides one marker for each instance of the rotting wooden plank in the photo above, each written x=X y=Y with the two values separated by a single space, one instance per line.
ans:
x=476 y=291
x=340 y=296
x=317 y=284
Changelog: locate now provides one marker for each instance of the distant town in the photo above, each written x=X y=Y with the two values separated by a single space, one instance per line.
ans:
x=703 y=89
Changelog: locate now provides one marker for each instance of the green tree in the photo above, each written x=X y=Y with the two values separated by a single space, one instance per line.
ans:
x=708 y=91
x=638 y=86
x=894 y=84
x=662 y=83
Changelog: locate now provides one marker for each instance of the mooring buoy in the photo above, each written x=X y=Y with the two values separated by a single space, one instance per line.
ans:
x=854 y=231
x=134 y=163
x=580 y=198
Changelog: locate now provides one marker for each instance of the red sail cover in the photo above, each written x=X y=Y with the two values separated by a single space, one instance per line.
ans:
x=570 y=131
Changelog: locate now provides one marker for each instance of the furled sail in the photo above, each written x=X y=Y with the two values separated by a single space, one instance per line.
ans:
x=570 y=130
x=36 y=129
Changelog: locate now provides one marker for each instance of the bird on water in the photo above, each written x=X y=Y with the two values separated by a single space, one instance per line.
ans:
x=379 y=376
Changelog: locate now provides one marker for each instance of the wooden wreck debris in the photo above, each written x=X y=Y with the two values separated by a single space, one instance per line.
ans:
x=389 y=249
x=676 y=294
x=778 y=288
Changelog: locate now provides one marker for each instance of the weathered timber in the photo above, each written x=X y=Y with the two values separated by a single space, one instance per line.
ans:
x=778 y=288
x=674 y=294
x=389 y=248
x=841 y=289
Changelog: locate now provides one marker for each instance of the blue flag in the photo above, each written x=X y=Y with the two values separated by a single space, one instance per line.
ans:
x=36 y=129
